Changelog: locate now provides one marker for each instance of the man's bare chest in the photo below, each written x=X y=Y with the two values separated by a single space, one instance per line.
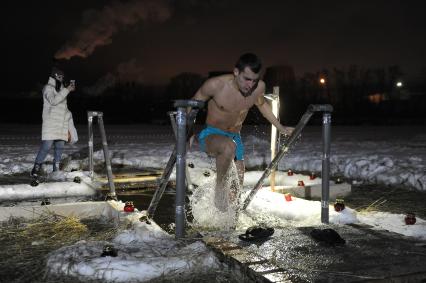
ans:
x=233 y=102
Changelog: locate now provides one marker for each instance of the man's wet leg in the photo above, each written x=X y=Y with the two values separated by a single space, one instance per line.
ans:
x=235 y=193
x=240 y=170
x=223 y=149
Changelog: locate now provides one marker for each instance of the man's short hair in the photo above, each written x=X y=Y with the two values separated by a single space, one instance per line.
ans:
x=249 y=60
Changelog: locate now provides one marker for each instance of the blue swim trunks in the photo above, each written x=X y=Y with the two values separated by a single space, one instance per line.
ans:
x=209 y=130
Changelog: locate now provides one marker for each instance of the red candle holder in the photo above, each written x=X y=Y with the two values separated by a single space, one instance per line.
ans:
x=288 y=197
x=410 y=218
x=312 y=176
x=289 y=173
x=129 y=206
x=301 y=183
x=339 y=205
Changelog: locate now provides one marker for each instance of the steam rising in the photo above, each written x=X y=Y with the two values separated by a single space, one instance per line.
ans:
x=98 y=27
x=128 y=71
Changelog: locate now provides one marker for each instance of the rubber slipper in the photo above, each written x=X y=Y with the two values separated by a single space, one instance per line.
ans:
x=327 y=236
x=256 y=233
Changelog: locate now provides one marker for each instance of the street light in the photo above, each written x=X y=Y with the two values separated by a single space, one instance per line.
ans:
x=324 y=91
x=399 y=84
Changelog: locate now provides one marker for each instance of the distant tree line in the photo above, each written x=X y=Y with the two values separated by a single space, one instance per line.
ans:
x=358 y=95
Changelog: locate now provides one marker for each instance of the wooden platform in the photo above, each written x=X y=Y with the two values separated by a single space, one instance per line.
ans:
x=134 y=180
x=292 y=255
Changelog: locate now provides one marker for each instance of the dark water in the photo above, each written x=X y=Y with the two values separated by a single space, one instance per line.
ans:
x=165 y=212
x=393 y=199
x=15 y=179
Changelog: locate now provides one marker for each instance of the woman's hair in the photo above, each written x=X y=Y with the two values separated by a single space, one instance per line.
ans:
x=249 y=60
x=56 y=71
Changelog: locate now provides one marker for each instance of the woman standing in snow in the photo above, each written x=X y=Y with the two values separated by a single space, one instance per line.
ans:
x=58 y=126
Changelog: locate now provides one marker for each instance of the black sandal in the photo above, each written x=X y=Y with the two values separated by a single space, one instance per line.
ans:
x=327 y=236
x=257 y=233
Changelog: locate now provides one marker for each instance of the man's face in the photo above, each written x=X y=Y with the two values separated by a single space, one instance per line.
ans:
x=246 y=80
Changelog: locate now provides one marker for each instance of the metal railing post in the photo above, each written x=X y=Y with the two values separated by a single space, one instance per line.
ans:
x=171 y=163
x=180 y=171
x=289 y=142
x=90 y=138
x=181 y=120
x=325 y=186
x=172 y=116
x=106 y=156
x=274 y=163
x=99 y=115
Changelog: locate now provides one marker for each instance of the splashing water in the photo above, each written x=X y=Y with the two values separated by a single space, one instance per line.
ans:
x=213 y=209
x=204 y=210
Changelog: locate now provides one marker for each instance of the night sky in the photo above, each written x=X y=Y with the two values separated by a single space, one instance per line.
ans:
x=152 y=41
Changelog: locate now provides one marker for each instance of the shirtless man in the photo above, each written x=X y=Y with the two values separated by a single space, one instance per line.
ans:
x=230 y=97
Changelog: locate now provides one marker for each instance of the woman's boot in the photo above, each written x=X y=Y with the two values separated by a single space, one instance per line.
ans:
x=36 y=172
x=56 y=166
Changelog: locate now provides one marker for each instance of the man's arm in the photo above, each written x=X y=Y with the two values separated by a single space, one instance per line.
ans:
x=207 y=90
x=266 y=111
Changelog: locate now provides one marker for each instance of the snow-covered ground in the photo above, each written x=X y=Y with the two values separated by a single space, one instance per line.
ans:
x=143 y=252
x=379 y=155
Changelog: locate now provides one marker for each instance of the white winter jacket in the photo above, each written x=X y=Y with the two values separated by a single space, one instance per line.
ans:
x=56 y=116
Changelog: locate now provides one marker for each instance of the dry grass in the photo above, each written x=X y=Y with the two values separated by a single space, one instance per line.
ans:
x=374 y=206
x=25 y=244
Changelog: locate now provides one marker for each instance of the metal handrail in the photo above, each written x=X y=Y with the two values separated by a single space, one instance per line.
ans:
x=326 y=108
